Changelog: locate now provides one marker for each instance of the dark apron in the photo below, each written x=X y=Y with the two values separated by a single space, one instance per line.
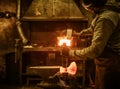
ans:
x=108 y=70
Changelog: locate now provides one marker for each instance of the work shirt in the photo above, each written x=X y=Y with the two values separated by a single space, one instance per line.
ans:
x=105 y=28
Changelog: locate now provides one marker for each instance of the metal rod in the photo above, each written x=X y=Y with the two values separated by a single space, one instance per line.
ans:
x=18 y=23
x=18 y=9
x=53 y=7
x=18 y=50
x=20 y=30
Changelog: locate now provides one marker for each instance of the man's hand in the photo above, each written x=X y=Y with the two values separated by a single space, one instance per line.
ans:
x=65 y=51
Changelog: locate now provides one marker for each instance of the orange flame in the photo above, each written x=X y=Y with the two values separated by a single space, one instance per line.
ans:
x=64 y=40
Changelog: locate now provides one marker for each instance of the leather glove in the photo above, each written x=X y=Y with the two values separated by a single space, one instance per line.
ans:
x=71 y=53
x=65 y=51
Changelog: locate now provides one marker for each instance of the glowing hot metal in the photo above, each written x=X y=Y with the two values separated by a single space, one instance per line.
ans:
x=70 y=70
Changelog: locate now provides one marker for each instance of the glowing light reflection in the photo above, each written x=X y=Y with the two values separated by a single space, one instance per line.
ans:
x=64 y=41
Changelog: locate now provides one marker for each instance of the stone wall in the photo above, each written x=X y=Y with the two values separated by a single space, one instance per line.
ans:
x=7 y=32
